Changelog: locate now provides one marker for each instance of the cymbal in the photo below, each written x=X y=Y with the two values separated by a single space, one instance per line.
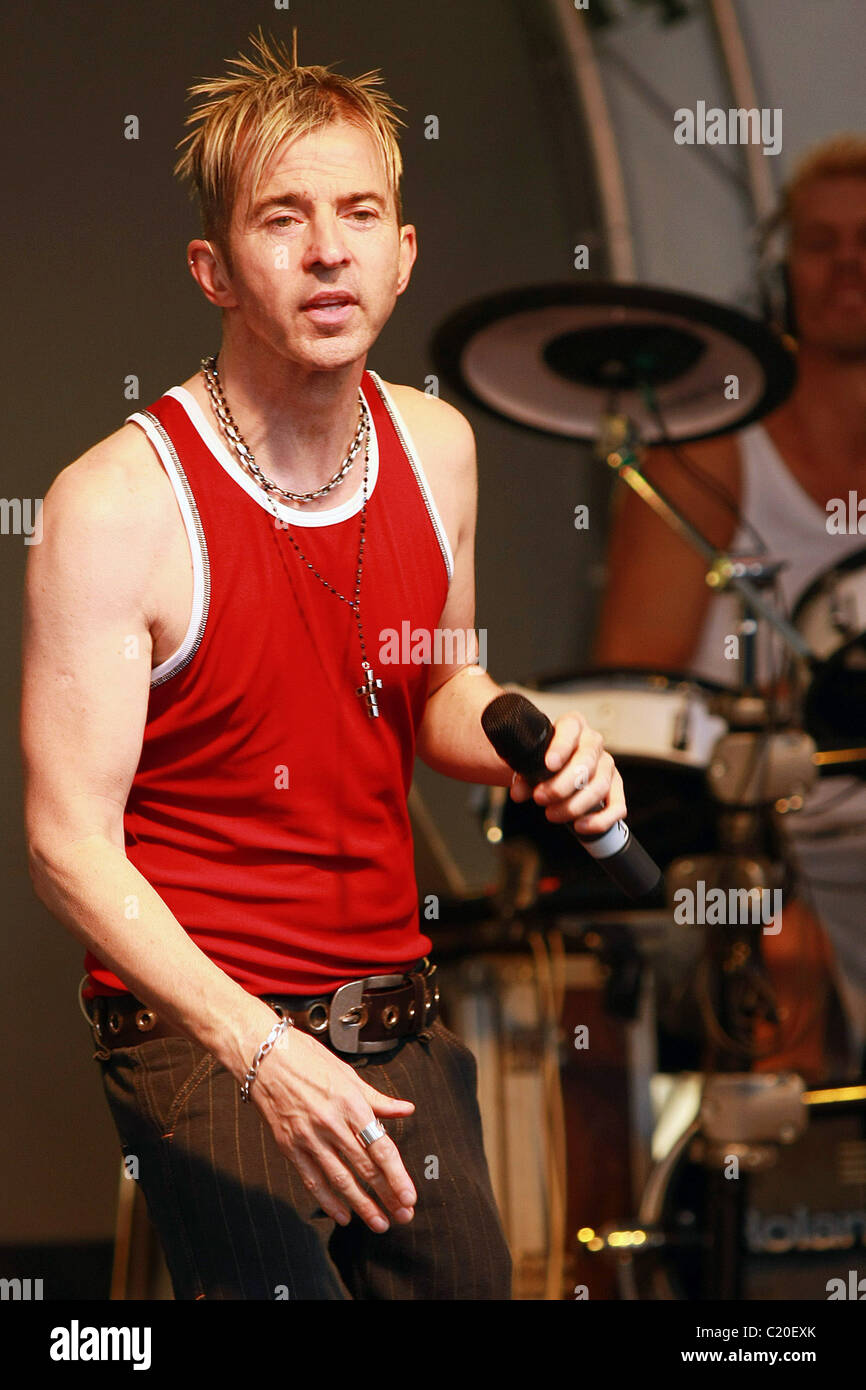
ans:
x=556 y=357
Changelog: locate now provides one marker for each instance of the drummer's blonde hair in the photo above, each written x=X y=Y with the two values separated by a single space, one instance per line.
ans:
x=843 y=156
x=243 y=118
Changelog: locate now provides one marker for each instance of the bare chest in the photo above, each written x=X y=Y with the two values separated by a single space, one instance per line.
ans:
x=824 y=472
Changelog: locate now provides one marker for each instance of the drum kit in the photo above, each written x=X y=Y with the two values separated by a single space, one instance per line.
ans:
x=710 y=772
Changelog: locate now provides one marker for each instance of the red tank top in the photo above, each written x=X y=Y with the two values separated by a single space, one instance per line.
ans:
x=268 y=810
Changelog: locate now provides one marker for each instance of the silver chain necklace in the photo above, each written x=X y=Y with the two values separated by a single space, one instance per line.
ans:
x=220 y=405
x=367 y=691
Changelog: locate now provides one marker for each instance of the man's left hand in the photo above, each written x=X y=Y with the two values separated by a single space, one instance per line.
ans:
x=585 y=778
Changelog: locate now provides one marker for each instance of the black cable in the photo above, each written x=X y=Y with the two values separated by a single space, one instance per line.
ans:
x=690 y=466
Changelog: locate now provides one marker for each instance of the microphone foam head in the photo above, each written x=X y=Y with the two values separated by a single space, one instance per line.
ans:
x=520 y=732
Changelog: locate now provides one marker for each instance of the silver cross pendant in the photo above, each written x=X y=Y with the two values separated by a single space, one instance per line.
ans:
x=367 y=691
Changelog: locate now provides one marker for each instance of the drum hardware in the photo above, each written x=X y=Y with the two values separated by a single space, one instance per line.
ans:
x=618 y=445
x=831 y=614
x=753 y=771
x=548 y=357
x=493 y=806
x=520 y=883
x=746 y=868
x=751 y=1109
x=773 y=1128
x=749 y=768
x=745 y=875
x=743 y=1116
x=839 y=757
x=743 y=1122
x=611 y=364
x=518 y=1012
x=754 y=766
x=610 y=351
x=525 y=902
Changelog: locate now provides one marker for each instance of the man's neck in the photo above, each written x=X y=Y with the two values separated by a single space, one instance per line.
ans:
x=298 y=422
x=830 y=395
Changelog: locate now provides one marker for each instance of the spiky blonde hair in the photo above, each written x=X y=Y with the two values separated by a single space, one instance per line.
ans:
x=243 y=119
x=842 y=156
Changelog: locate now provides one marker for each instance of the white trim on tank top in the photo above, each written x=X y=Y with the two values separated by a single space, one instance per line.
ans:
x=197 y=546
x=214 y=444
x=754 y=444
x=212 y=441
x=408 y=444
x=353 y=504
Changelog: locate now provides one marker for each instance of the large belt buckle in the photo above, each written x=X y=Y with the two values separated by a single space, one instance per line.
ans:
x=348 y=1014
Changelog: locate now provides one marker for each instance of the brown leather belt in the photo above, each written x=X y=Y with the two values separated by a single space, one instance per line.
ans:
x=366 y=1015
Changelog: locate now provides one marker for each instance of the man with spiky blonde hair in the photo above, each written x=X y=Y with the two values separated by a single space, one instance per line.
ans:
x=218 y=761
x=240 y=124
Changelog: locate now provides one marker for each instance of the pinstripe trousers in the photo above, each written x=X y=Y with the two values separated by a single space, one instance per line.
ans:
x=234 y=1218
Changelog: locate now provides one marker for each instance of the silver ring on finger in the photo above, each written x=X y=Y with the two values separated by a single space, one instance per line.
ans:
x=370 y=1133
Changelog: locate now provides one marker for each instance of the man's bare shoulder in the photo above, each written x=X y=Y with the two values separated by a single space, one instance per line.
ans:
x=434 y=424
x=110 y=528
x=702 y=479
x=445 y=443
x=119 y=482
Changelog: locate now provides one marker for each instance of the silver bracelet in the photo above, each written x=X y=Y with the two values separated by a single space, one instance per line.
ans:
x=282 y=1025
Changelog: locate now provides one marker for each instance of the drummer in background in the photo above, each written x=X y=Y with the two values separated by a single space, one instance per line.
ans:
x=783 y=476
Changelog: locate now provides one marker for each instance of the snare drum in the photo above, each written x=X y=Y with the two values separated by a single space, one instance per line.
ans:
x=667 y=721
x=831 y=616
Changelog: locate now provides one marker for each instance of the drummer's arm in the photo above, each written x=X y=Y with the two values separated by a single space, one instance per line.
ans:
x=656 y=595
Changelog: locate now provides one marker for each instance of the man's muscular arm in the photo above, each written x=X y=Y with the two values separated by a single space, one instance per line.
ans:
x=656 y=596
x=87 y=660
x=86 y=674
x=451 y=739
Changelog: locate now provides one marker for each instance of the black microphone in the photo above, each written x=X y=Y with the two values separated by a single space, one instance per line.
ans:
x=521 y=733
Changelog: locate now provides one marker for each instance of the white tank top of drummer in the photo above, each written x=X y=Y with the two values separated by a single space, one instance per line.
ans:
x=794 y=529
x=828 y=836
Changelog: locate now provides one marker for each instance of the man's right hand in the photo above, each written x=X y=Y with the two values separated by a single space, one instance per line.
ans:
x=315 y=1106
